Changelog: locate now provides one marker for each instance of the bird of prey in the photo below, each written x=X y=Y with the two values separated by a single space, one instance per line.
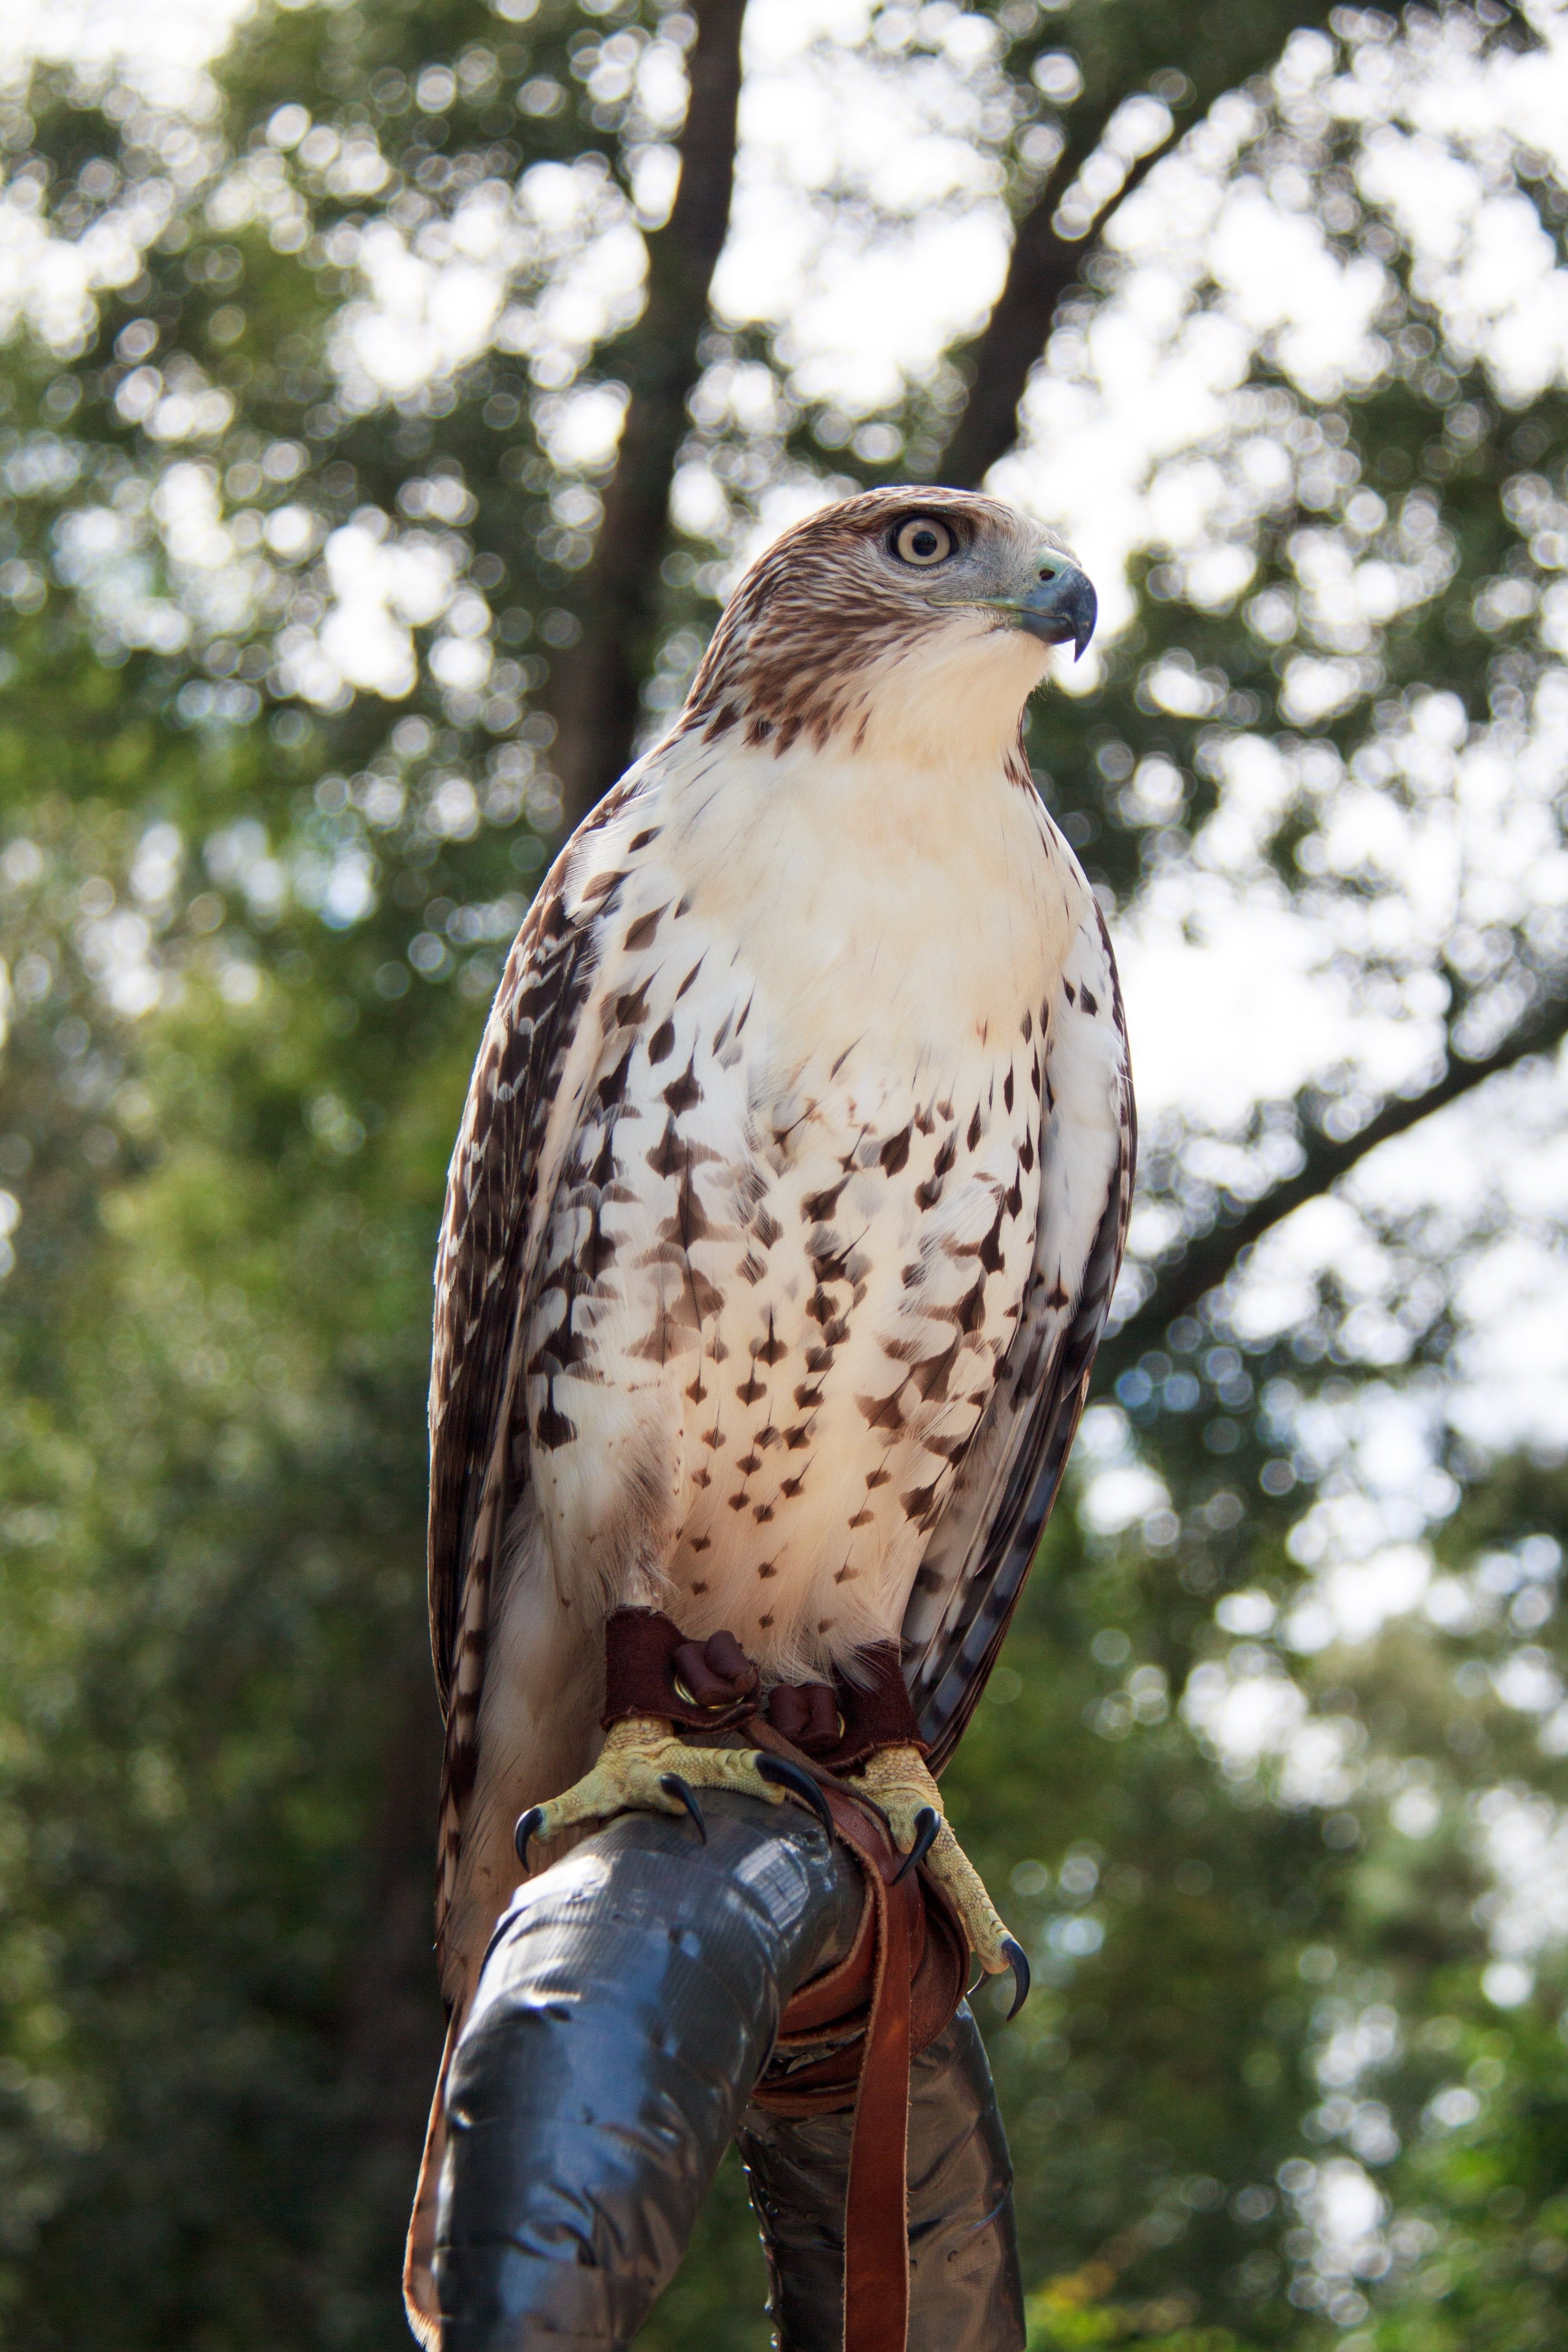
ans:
x=788 y=1199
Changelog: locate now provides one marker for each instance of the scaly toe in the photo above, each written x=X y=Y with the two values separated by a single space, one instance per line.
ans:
x=897 y=1780
x=987 y=1931
x=644 y=1768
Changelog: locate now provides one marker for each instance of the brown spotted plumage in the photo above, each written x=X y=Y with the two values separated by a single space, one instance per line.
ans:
x=793 y=1180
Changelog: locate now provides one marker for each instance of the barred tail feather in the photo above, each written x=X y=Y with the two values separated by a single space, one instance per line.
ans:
x=420 y=2297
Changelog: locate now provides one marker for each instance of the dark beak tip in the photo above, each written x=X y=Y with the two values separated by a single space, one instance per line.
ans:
x=1083 y=610
x=1062 y=610
x=1085 y=629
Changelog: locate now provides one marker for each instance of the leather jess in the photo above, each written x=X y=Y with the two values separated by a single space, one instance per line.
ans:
x=652 y=1668
x=846 y=2042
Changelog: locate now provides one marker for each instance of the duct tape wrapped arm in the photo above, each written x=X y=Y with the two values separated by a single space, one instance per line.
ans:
x=628 y=2008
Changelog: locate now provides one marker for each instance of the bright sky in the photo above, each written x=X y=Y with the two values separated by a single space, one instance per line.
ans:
x=170 y=39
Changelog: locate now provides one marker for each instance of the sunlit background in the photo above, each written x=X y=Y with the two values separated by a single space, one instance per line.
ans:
x=276 y=749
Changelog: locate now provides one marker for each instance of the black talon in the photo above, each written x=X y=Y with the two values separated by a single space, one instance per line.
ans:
x=674 y=1786
x=782 y=1774
x=928 y=1828
x=527 y=1826
x=1019 y=1962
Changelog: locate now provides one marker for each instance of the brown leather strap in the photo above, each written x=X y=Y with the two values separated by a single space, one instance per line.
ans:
x=841 y=1723
x=869 y=1990
x=877 y=1709
x=876 y=2209
x=651 y=1668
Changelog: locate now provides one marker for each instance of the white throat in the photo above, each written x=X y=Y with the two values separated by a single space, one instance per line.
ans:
x=954 y=701
x=901 y=886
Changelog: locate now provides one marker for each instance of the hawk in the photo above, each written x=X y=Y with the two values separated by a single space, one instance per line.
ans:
x=788 y=1200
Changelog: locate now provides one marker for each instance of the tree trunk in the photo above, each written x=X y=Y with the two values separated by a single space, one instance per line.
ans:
x=596 y=697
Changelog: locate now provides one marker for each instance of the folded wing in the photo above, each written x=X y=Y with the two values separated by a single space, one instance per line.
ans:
x=974 y=1566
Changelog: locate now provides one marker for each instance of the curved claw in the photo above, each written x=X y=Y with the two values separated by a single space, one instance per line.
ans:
x=782 y=1774
x=928 y=1828
x=674 y=1786
x=1017 y=1960
x=527 y=1826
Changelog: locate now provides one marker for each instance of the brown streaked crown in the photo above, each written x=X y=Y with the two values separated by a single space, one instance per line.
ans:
x=824 y=604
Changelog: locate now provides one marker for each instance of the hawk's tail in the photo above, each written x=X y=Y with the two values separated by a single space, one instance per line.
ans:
x=419 y=2298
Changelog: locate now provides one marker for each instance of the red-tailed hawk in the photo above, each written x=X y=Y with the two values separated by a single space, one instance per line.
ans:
x=789 y=1196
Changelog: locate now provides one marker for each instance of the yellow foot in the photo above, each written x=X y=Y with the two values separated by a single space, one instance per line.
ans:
x=897 y=1778
x=643 y=1768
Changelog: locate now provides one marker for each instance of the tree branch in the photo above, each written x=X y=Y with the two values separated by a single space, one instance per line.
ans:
x=595 y=696
x=1206 y=1260
x=1229 y=45
x=1041 y=269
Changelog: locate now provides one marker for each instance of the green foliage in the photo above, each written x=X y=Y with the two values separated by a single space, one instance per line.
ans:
x=252 y=913
x=219 y=1745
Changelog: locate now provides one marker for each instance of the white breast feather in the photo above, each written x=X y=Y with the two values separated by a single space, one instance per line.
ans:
x=785 y=1260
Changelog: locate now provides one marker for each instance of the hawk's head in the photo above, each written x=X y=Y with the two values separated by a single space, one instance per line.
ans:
x=917 y=615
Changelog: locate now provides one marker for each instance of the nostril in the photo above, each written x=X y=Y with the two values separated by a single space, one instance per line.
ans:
x=1047 y=573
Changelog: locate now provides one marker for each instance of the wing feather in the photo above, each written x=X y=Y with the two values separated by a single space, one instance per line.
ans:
x=979 y=1555
x=491 y=1189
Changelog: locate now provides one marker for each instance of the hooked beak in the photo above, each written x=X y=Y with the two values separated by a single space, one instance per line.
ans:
x=1059 y=608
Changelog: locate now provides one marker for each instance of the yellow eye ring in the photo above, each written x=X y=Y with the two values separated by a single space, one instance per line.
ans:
x=922 y=541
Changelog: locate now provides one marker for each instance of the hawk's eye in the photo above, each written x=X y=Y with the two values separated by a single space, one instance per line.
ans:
x=922 y=540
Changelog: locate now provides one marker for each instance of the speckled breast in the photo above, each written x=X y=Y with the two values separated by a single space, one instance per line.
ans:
x=773 y=1300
